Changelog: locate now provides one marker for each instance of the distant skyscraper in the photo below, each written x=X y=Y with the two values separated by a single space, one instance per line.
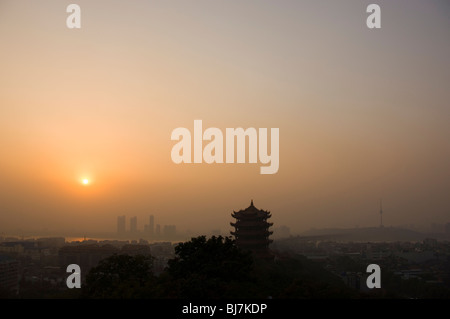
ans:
x=133 y=224
x=151 y=227
x=121 y=224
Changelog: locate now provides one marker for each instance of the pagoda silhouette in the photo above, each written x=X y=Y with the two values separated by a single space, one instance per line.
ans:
x=252 y=231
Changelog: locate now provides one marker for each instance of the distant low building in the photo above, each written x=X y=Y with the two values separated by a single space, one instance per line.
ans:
x=51 y=242
x=417 y=256
x=135 y=249
x=12 y=248
x=86 y=256
x=430 y=242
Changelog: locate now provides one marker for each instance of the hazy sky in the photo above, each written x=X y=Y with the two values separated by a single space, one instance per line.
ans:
x=363 y=114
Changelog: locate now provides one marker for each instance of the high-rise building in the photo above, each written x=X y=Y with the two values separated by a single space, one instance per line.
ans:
x=252 y=230
x=151 y=226
x=158 y=230
x=121 y=225
x=133 y=224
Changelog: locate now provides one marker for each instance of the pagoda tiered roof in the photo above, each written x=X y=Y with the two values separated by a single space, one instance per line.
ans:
x=252 y=230
x=251 y=212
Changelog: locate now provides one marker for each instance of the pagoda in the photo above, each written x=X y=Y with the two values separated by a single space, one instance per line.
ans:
x=252 y=230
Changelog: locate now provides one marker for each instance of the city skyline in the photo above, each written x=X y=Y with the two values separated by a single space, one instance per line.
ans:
x=134 y=230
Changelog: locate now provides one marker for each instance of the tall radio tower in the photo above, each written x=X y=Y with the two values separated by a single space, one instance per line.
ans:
x=381 y=214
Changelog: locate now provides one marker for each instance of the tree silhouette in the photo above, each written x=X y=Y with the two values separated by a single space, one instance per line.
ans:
x=210 y=268
x=120 y=276
x=213 y=268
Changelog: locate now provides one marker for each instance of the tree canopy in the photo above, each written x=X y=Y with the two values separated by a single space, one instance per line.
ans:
x=209 y=268
x=212 y=268
x=120 y=276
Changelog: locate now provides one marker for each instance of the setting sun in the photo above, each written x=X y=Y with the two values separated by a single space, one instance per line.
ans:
x=85 y=181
